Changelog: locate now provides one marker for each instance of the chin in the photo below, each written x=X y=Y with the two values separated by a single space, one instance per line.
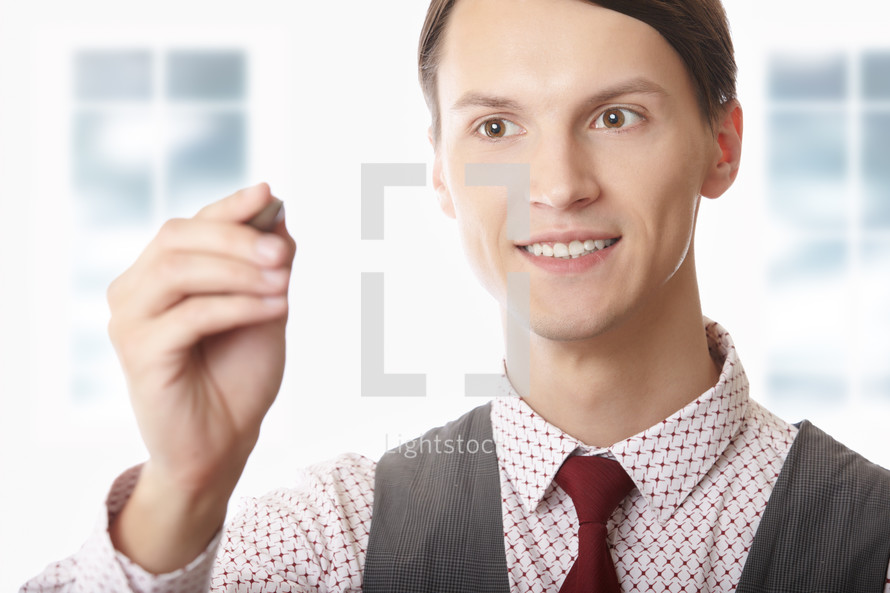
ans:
x=571 y=329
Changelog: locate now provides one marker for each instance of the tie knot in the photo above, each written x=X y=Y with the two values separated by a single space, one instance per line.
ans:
x=596 y=484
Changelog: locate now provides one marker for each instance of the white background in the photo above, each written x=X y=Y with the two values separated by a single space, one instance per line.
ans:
x=333 y=86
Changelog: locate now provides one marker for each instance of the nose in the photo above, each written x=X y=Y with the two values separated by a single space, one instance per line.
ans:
x=562 y=172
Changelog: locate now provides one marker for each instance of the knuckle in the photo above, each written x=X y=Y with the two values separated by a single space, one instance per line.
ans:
x=170 y=230
x=115 y=294
x=198 y=311
x=112 y=328
x=111 y=292
x=170 y=266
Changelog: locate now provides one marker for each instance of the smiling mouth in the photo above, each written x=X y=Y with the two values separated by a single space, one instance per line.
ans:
x=572 y=250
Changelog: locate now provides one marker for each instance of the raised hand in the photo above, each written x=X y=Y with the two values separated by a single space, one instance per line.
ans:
x=198 y=323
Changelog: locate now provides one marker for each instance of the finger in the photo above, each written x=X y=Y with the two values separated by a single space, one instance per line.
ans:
x=178 y=275
x=165 y=266
x=280 y=230
x=199 y=317
x=241 y=206
x=226 y=239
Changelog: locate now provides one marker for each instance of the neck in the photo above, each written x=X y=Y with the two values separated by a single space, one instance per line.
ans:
x=630 y=377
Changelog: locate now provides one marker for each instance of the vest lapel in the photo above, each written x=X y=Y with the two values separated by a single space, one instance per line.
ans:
x=437 y=522
x=826 y=525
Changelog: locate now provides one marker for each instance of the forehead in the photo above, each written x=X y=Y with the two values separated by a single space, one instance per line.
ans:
x=550 y=47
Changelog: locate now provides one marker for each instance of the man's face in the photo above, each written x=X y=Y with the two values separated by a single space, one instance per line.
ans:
x=604 y=112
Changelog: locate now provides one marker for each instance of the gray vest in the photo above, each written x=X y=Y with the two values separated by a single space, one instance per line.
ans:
x=436 y=524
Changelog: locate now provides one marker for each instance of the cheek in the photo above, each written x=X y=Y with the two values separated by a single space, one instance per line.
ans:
x=479 y=210
x=480 y=215
x=667 y=182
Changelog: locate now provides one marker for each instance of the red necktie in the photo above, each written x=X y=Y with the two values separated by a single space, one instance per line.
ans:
x=597 y=485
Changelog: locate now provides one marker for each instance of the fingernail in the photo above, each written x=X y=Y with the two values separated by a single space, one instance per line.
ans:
x=275 y=277
x=270 y=248
x=275 y=302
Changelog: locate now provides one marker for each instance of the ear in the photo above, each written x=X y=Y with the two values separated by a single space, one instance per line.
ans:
x=442 y=192
x=723 y=171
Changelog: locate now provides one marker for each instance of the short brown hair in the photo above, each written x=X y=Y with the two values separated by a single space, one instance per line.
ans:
x=697 y=29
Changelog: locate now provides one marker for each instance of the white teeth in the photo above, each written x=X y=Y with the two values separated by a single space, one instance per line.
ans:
x=574 y=249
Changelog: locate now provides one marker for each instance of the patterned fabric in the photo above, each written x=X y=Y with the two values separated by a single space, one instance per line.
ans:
x=702 y=478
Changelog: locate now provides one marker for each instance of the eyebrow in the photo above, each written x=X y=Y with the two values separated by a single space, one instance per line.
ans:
x=629 y=87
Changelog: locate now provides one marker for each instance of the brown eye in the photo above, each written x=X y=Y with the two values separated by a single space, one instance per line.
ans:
x=494 y=128
x=614 y=118
x=618 y=118
x=498 y=128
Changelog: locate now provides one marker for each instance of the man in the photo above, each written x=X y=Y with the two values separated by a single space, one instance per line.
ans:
x=625 y=113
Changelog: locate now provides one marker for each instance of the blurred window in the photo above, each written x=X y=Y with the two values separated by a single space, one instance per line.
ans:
x=808 y=78
x=829 y=199
x=155 y=134
x=207 y=75
x=113 y=75
x=876 y=75
x=876 y=169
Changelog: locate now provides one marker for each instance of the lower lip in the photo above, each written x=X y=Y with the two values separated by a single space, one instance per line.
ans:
x=575 y=265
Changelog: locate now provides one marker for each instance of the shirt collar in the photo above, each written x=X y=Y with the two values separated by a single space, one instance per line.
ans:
x=666 y=461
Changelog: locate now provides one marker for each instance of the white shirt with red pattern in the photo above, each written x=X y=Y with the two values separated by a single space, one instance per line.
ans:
x=703 y=477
